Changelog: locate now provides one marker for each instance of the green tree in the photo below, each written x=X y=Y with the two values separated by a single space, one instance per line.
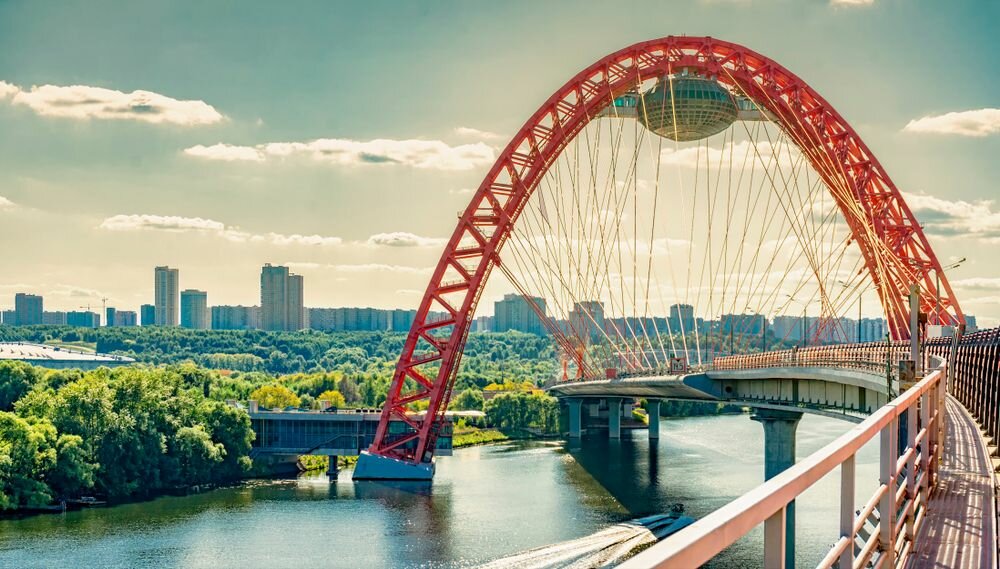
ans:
x=197 y=454
x=468 y=400
x=26 y=456
x=16 y=379
x=73 y=473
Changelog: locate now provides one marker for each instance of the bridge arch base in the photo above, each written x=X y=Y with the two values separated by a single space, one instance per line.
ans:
x=377 y=467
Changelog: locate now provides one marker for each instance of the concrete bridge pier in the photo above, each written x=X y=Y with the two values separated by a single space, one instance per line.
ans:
x=614 y=417
x=575 y=406
x=332 y=469
x=779 y=454
x=653 y=413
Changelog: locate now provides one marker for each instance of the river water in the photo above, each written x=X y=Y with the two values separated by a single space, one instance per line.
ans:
x=485 y=502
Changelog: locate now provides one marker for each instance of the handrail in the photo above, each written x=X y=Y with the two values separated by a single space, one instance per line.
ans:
x=876 y=357
x=703 y=540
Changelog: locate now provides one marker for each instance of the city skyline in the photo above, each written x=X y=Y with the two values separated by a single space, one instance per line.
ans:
x=282 y=293
x=220 y=179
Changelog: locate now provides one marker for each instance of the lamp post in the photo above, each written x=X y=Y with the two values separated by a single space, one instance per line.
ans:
x=860 y=294
x=937 y=286
x=804 y=341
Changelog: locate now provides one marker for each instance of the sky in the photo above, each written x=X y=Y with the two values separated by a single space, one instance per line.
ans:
x=342 y=138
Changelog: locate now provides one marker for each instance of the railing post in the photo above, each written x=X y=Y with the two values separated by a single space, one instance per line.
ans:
x=925 y=447
x=888 y=456
x=774 y=541
x=847 y=512
x=911 y=469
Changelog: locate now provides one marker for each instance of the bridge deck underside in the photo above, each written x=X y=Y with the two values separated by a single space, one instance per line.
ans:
x=959 y=529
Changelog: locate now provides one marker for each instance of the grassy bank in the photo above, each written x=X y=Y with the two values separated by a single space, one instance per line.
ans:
x=472 y=436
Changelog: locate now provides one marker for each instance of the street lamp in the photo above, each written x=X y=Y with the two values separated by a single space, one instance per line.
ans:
x=791 y=298
x=860 y=293
x=937 y=287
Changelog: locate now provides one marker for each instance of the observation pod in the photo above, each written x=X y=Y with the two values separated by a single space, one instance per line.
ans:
x=687 y=107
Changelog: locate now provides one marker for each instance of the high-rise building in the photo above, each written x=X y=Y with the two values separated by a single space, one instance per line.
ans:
x=83 y=319
x=125 y=318
x=752 y=324
x=109 y=316
x=681 y=319
x=516 y=312
x=273 y=297
x=147 y=315
x=28 y=309
x=970 y=324
x=586 y=320
x=166 y=289
x=54 y=318
x=9 y=317
x=194 y=309
x=402 y=320
x=297 y=317
x=281 y=299
x=481 y=324
x=235 y=317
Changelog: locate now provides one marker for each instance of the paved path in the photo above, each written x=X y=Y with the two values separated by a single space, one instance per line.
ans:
x=959 y=529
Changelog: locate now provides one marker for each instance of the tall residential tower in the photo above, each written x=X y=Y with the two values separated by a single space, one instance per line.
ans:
x=281 y=299
x=165 y=296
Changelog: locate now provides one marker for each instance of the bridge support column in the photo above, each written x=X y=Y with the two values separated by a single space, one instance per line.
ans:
x=779 y=454
x=653 y=413
x=614 y=417
x=575 y=416
x=332 y=469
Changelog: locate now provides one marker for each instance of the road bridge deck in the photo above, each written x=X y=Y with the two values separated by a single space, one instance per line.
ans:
x=959 y=529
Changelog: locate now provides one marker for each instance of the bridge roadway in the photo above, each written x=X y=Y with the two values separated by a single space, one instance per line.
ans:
x=844 y=393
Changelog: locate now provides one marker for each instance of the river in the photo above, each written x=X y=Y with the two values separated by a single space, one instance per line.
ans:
x=485 y=502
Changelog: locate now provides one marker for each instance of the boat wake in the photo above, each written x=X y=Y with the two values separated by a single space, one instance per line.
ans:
x=605 y=548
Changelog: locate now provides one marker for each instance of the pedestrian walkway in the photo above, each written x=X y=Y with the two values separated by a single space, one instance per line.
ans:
x=959 y=531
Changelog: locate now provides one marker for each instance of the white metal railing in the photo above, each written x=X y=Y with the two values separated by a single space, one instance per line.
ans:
x=879 y=535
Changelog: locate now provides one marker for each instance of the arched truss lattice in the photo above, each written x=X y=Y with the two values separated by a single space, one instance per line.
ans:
x=893 y=248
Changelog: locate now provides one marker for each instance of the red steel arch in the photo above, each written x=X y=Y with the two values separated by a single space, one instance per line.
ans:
x=894 y=248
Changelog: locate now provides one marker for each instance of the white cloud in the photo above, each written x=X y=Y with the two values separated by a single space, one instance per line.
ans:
x=85 y=102
x=8 y=90
x=949 y=218
x=462 y=191
x=296 y=239
x=476 y=133
x=5 y=203
x=977 y=123
x=423 y=154
x=761 y=155
x=177 y=224
x=404 y=239
x=852 y=2
x=226 y=152
x=977 y=283
x=161 y=223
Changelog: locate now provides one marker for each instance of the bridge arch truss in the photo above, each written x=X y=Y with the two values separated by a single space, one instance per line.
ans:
x=895 y=252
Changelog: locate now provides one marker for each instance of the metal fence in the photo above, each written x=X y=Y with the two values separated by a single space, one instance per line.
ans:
x=975 y=377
